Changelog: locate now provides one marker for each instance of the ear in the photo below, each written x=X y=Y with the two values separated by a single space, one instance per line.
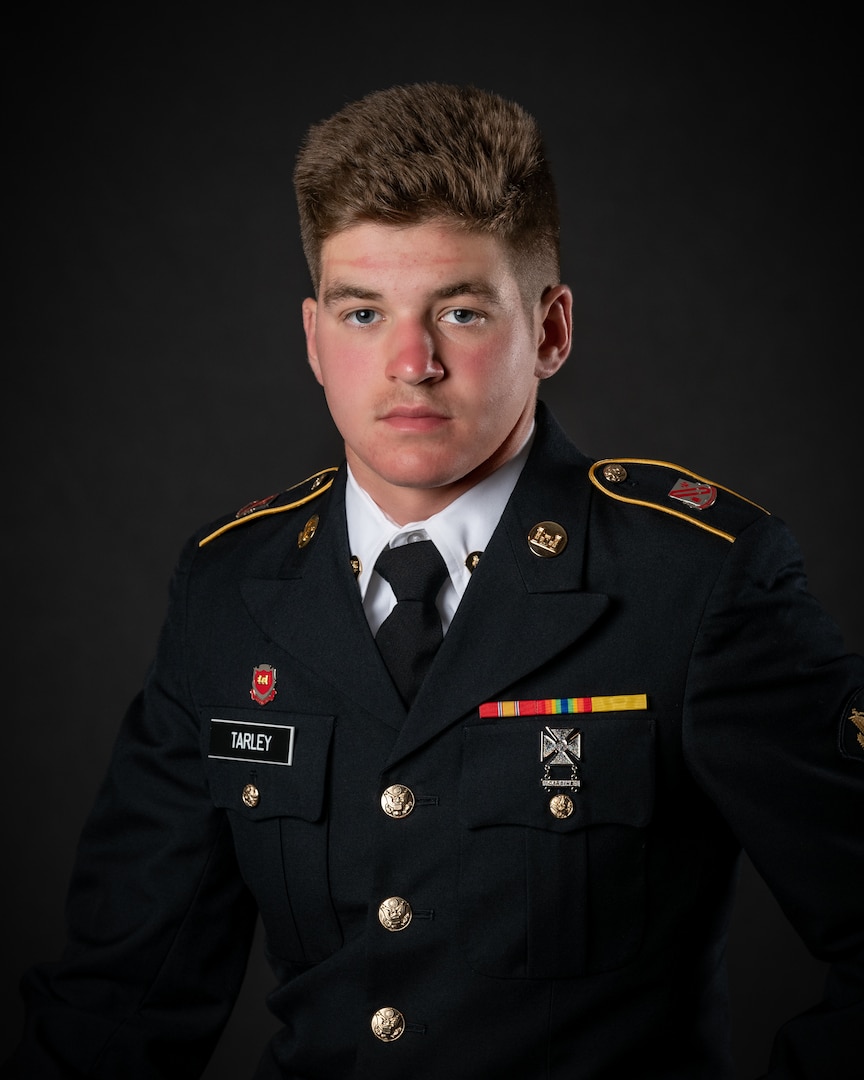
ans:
x=555 y=330
x=310 y=322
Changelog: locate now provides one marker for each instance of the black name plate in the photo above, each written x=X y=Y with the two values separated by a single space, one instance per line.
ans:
x=239 y=740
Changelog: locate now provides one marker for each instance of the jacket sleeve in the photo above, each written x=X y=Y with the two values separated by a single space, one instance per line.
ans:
x=769 y=734
x=159 y=920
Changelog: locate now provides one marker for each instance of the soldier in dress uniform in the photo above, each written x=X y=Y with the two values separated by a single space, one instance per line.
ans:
x=490 y=800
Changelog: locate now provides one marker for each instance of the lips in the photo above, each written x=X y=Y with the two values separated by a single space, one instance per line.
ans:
x=417 y=418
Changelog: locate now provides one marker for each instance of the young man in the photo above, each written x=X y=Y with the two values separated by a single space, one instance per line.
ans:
x=517 y=856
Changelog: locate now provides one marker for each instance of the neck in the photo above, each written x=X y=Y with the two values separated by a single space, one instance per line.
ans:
x=417 y=504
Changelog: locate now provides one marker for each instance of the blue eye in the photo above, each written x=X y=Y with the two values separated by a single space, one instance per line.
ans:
x=363 y=317
x=461 y=316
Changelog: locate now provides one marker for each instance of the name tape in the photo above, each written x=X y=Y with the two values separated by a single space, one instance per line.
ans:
x=239 y=740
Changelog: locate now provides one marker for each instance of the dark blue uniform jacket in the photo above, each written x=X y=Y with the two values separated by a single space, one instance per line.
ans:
x=580 y=942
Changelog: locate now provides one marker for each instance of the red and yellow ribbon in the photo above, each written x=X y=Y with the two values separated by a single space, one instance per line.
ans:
x=565 y=706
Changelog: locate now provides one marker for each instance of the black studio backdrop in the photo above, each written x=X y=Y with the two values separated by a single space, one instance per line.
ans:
x=155 y=369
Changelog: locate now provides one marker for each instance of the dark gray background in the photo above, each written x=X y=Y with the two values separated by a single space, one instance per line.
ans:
x=156 y=376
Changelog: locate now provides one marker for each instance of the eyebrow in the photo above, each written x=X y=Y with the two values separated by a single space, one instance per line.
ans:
x=344 y=290
x=481 y=289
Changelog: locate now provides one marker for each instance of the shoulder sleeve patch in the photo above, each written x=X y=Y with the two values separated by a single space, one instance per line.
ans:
x=661 y=485
x=289 y=499
x=852 y=727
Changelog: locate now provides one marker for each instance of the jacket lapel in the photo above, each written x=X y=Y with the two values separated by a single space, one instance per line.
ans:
x=313 y=612
x=520 y=609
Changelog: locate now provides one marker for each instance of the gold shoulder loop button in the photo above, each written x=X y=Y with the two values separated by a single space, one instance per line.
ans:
x=289 y=499
x=614 y=472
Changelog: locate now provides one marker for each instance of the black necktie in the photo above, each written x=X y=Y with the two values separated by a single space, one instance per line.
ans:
x=410 y=635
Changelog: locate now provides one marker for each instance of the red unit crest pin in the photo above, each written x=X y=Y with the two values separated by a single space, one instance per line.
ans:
x=263 y=684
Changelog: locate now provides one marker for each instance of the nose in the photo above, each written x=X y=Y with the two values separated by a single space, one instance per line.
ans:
x=412 y=355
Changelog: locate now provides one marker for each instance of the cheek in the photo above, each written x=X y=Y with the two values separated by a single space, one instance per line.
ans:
x=485 y=365
x=341 y=367
x=500 y=373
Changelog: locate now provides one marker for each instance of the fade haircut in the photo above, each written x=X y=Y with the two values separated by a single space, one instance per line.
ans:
x=430 y=151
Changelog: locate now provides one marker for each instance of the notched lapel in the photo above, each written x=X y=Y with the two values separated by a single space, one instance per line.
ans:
x=520 y=609
x=313 y=612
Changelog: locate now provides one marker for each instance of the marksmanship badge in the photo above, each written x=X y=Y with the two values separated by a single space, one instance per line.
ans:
x=263 y=684
x=560 y=751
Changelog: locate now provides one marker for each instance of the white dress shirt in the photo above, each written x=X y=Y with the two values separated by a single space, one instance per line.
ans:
x=462 y=527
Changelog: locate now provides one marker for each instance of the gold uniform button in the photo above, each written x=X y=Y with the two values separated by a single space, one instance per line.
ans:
x=397 y=801
x=614 y=473
x=251 y=795
x=394 y=913
x=388 y=1024
x=561 y=806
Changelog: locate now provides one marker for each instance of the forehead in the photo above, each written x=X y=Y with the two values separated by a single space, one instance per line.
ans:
x=437 y=250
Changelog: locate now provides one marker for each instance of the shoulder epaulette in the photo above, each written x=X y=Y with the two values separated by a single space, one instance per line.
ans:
x=289 y=499
x=664 y=486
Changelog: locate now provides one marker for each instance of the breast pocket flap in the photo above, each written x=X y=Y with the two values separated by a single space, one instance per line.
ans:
x=601 y=766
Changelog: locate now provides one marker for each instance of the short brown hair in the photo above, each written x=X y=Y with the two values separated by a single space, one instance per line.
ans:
x=414 y=153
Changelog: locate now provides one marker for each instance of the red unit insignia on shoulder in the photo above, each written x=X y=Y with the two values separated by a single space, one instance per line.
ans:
x=692 y=493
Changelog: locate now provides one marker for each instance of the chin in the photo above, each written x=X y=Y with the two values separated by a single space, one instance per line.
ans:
x=422 y=471
x=421 y=480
